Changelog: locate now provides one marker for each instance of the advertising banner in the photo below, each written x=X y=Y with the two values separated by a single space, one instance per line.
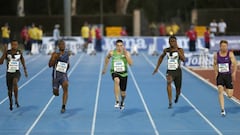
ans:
x=202 y=56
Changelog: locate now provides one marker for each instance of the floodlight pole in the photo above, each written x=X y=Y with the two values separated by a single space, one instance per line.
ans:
x=67 y=18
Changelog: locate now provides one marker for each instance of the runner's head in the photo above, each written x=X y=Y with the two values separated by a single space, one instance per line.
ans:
x=14 y=44
x=223 y=45
x=173 y=41
x=119 y=45
x=61 y=45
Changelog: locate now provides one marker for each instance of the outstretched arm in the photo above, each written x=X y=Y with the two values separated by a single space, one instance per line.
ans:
x=107 y=58
x=3 y=57
x=215 y=66
x=234 y=65
x=160 y=59
x=24 y=66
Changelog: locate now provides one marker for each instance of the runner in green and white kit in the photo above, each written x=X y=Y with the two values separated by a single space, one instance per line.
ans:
x=121 y=58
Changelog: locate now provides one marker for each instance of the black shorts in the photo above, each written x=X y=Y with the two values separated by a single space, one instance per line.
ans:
x=123 y=81
x=5 y=41
x=176 y=77
x=225 y=80
x=10 y=77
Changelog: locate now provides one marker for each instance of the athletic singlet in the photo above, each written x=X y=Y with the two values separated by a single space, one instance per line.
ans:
x=224 y=63
x=13 y=61
x=173 y=62
x=119 y=64
x=61 y=65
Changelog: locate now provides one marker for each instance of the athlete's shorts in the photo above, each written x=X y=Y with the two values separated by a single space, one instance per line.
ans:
x=5 y=40
x=123 y=81
x=57 y=81
x=225 y=80
x=176 y=77
x=10 y=77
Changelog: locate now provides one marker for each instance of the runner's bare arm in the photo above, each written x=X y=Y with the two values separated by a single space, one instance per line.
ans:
x=234 y=65
x=215 y=67
x=53 y=59
x=181 y=54
x=107 y=58
x=3 y=57
x=128 y=57
x=160 y=59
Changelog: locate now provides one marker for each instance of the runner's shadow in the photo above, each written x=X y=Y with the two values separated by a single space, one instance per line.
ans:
x=233 y=110
x=71 y=112
x=181 y=109
x=23 y=109
x=130 y=111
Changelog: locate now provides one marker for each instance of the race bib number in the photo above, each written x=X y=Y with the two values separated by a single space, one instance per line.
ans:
x=13 y=65
x=119 y=66
x=62 y=67
x=223 y=67
x=172 y=64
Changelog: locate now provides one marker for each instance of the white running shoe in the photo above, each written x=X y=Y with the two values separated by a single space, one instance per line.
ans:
x=122 y=106
x=117 y=105
x=223 y=113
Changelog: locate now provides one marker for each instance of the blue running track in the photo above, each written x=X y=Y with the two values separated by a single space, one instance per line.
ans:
x=90 y=108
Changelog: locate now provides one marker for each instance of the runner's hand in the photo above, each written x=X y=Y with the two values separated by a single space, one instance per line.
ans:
x=25 y=72
x=103 y=72
x=154 y=72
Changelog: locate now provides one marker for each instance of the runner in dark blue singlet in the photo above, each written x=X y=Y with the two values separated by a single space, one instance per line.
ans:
x=59 y=61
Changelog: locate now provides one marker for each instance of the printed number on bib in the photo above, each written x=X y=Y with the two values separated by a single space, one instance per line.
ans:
x=223 y=67
x=172 y=64
x=13 y=66
x=119 y=66
x=62 y=67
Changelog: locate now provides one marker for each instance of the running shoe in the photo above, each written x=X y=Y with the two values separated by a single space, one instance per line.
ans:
x=170 y=106
x=117 y=105
x=11 y=107
x=56 y=92
x=17 y=105
x=63 y=109
x=223 y=113
x=122 y=106
x=176 y=100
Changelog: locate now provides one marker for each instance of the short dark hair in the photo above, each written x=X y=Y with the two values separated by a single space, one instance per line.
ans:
x=172 y=37
x=119 y=41
x=223 y=41
x=61 y=41
x=14 y=40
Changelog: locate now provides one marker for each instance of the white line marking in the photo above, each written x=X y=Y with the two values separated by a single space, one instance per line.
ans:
x=28 y=81
x=207 y=82
x=97 y=96
x=50 y=100
x=144 y=103
x=189 y=102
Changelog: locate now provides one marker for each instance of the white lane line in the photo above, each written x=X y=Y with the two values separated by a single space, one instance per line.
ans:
x=97 y=96
x=27 y=62
x=144 y=103
x=50 y=100
x=189 y=102
x=210 y=84
x=27 y=82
